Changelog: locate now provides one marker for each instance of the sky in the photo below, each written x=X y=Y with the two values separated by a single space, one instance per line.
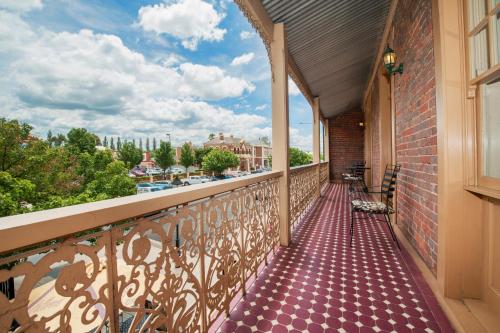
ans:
x=138 y=69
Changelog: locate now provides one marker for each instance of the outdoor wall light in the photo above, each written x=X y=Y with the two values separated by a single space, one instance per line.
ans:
x=390 y=61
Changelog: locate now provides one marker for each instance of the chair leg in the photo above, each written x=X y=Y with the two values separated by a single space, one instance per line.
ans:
x=352 y=228
x=391 y=230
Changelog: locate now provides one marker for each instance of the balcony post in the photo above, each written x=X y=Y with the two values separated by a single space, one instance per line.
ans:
x=316 y=135
x=326 y=145
x=316 y=144
x=280 y=123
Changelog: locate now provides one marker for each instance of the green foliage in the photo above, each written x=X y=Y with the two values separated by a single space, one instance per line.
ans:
x=187 y=156
x=112 y=182
x=219 y=160
x=211 y=136
x=14 y=194
x=42 y=174
x=81 y=141
x=130 y=155
x=199 y=154
x=164 y=156
x=299 y=157
x=13 y=135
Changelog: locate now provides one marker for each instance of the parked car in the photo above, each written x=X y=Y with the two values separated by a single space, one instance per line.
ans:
x=154 y=171
x=191 y=180
x=137 y=172
x=148 y=187
x=164 y=183
x=175 y=170
x=176 y=181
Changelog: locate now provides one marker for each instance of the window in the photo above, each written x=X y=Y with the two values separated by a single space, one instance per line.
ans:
x=483 y=32
x=491 y=134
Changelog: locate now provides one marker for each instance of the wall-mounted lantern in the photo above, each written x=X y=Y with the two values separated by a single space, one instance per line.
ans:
x=390 y=61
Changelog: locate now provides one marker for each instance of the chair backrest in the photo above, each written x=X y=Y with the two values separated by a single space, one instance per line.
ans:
x=359 y=169
x=389 y=184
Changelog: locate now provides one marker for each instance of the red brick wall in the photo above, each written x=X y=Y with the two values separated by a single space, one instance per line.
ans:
x=416 y=142
x=346 y=141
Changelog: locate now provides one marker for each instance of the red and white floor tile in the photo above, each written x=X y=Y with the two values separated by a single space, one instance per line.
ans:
x=320 y=284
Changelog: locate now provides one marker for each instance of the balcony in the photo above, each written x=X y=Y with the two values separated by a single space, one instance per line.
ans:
x=186 y=260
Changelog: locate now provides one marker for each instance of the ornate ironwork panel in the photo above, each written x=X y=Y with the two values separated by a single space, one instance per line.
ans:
x=303 y=191
x=175 y=270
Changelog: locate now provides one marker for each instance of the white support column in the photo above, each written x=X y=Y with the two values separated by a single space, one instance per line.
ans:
x=279 y=59
x=326 y=145
x=326 y=142
x=316 y=145
x=316 y=135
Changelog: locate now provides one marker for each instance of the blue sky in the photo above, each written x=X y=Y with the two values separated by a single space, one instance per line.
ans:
x=139 y=69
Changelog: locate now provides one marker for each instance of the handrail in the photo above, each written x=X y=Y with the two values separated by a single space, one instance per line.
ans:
x=301 y=167
x=18 y=231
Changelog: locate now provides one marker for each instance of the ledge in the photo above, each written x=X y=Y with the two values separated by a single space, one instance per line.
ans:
x=484 y=191
x=22 y=230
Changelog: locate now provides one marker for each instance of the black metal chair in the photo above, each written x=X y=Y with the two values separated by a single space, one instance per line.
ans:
x=383 y=207
x=356 y=175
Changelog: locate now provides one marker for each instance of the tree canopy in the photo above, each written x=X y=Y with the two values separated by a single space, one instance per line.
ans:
x=299 y=157
x=130 y=155
x=164 y=155
x=81 y=141
x=40 y=174
x=199 y=154
x=187 y=156
x=219 y=160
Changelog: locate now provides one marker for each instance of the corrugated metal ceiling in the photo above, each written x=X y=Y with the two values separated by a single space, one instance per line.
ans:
x=334 y=43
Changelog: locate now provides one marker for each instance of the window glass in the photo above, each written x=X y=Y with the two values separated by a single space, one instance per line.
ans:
x=495 y=2
x=477 y=11
x=491 y=132
x=497 y=37
x=479 y=53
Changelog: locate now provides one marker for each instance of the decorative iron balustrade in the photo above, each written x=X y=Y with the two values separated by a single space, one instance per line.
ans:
x=173 y=270
x=323 y=174
x=304 y=182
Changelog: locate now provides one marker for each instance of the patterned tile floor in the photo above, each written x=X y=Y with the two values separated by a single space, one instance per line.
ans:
x=320 y=284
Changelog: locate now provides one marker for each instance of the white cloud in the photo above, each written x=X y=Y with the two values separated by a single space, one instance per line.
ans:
x=191 y=21
x=20 y=6
x=243 y=59
x=293 y=90
x=246 y=34
x=299 y=140
x=62 y=80
x=261 y=107
x=210 y=82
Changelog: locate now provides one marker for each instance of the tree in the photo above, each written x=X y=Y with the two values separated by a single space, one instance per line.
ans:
x=219 y=160
x=199 y=154
x=211 y=136
x=59 y=140
x=80 y=141
x=50 y=138
x=15 y=194
x=187 y=157
x=140 y=144
x=133 y=142
x=265 y=140
x=112 y=144
x=112 y=182
x=13 y=138
x=164 y=156
x=299 y=157
x=147 y=144
x=118 y=143
x=130 y=155
x=105 y=142
x=154 y=144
